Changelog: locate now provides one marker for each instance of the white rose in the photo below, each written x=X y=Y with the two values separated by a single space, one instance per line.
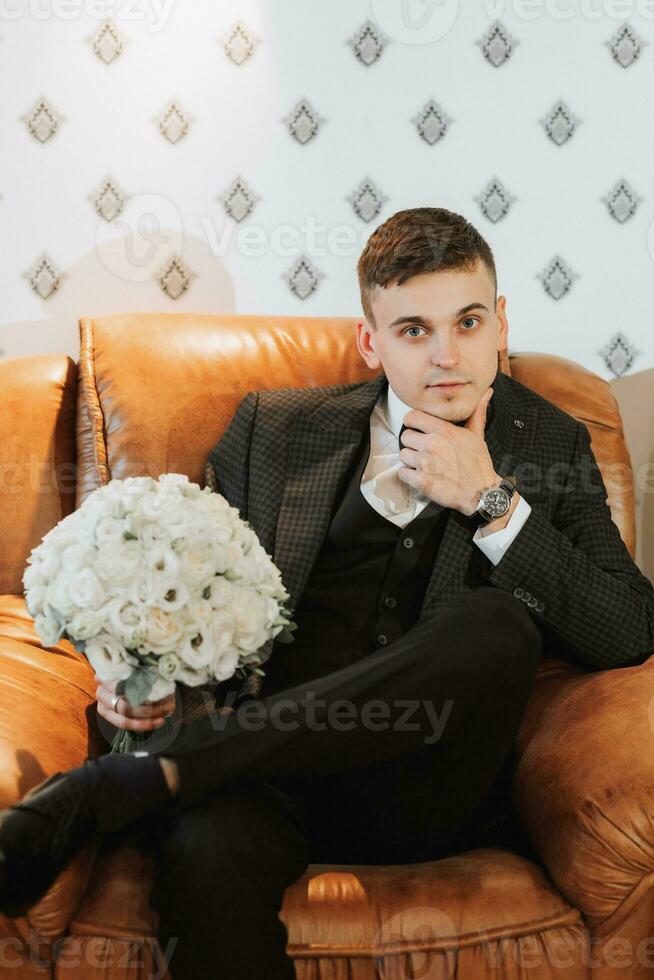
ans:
x=222 y=629
x=58 y=596
x=160 y=630
x=196 y=648
x=196 y=563
x=175 y=597
x=249 y=610
x=151 y=535
x=33 y=576
x=174 y=481
x=226 y=558
x=87 y=623
x=222 y=592
x=76 y=556
x=200 y=611
x=251 y=568
x=86 y=589
x=106 y=655
x=224 y=664
x=251 y=641
x=152 y=588
x=109 y=531
x=125 y=620
x=118 y=564
x=47 y=561
x=163 y=561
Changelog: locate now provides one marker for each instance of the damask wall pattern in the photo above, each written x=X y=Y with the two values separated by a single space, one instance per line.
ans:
x=276 y=135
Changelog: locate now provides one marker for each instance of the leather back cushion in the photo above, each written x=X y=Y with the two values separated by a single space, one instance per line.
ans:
x=37 y=456
x=157 y=390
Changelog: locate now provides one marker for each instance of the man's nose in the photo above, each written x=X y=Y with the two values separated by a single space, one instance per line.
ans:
x=445 y=353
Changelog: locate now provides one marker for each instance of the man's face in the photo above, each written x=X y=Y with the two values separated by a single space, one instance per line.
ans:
x=437 y=327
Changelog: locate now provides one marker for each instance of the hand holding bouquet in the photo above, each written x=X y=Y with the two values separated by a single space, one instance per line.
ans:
x=157 y=582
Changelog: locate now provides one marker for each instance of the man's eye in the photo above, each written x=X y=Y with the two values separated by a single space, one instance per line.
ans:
x=470 y=319
x=412 y=328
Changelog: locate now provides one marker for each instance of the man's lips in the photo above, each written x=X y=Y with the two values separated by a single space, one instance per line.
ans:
x=449 y=384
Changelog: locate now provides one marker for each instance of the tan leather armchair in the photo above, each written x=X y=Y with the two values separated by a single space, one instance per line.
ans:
x=152 y=393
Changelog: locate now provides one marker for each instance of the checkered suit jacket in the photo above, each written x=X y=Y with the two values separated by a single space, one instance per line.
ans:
x=283 y=457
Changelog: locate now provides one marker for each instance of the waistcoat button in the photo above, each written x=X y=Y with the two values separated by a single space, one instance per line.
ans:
x=390 y=601
x=382 y=639
x=408 y=542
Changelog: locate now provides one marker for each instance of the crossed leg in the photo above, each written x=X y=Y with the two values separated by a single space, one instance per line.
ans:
x=258 y=803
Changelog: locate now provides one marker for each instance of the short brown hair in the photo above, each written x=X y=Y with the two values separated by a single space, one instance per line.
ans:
x=415 y=241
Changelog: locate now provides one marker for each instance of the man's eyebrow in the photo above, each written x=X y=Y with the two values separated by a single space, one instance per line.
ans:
x=425 y=321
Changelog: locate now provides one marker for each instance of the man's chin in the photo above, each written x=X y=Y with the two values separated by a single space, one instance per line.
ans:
x=459 y=413
x=455 y=419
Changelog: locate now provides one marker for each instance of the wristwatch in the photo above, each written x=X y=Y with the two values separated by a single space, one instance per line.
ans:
x=494 y=501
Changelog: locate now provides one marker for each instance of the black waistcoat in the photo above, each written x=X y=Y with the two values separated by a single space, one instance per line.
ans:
x=365 y=588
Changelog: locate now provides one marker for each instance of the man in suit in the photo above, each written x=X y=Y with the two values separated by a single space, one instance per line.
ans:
x=438 y=529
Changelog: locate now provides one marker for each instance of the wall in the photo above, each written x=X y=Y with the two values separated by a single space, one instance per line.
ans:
x=173 y=51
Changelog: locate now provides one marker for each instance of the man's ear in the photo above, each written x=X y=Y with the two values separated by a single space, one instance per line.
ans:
x=366 y=342
x=503 y=324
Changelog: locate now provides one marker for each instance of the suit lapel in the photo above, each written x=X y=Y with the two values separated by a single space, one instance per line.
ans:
x=506 y=443
x=322 y=448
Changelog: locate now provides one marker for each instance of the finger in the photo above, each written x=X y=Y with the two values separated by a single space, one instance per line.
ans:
x=123 y=707
x=109 y=687
x=477 y=421
x=127 y=722
x=170 y=699
x=412 y=477
x=409 y=456
x=413 y=439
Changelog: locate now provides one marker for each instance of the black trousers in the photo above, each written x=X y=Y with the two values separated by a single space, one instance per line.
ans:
x=405 y=755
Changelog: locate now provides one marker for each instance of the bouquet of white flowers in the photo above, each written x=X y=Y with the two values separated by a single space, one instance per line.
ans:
x=157 y=582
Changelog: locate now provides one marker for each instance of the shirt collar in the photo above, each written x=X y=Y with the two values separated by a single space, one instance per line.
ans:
x=395 y=410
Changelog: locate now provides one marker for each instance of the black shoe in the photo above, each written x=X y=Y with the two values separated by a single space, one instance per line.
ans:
x=39 y=836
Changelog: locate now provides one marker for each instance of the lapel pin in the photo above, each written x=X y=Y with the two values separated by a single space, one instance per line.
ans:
x=519 y=423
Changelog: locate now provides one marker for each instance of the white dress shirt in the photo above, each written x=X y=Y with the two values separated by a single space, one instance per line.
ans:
x=399 y=502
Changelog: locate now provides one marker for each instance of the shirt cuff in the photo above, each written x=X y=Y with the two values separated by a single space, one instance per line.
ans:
x=495 y=543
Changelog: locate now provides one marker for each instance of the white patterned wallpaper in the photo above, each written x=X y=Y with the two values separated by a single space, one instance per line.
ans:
x=235 y=156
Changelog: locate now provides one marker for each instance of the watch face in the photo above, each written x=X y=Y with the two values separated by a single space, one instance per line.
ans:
x=496 y=502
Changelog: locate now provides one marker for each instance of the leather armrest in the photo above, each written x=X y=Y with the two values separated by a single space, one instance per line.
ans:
x=47 y=724
x=584 y=785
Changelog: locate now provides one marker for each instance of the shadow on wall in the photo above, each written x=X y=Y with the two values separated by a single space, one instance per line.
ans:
x=112 y=278
x=635 y=395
